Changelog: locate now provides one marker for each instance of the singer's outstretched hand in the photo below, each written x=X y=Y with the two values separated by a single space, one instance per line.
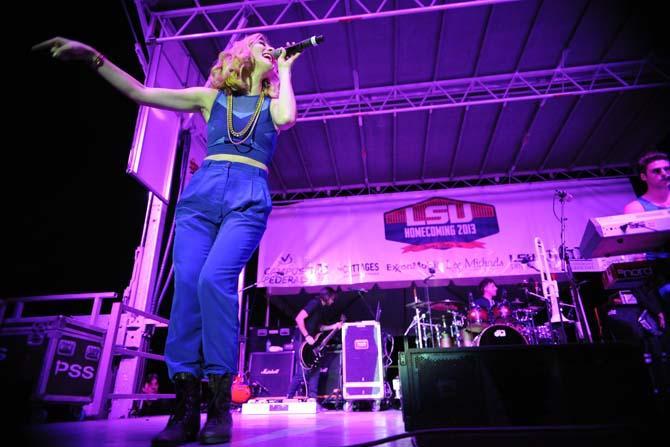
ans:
x=284 y=63
x=66 y=49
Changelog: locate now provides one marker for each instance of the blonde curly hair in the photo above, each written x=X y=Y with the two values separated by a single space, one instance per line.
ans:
x=232 y=71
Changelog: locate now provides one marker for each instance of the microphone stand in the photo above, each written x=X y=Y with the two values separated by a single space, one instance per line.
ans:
x=429 y=311
x=583 y=329
x=581 y=325
x=360 y=294
x=261 y=387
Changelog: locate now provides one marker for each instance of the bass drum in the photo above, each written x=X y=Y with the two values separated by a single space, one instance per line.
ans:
x=500 y=334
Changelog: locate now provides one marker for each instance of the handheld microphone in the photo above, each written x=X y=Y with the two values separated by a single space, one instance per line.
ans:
x=298 y=47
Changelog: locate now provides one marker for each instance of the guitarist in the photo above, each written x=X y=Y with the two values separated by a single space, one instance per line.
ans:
x=316 y=316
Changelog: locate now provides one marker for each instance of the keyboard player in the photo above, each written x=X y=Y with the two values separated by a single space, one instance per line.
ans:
x=654 y=294
x=654 y=169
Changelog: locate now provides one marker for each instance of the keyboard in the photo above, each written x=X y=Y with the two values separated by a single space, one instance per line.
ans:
x=626 y=233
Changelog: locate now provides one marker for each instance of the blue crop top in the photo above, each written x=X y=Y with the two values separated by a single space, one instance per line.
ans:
x=260 y=146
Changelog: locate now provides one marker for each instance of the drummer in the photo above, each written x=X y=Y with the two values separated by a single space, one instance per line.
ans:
x=487 y=290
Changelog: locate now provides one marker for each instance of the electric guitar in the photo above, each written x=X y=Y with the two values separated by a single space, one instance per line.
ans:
x=311 y=354
x=240 y=392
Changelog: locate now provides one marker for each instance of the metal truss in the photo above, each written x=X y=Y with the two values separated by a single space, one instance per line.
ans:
x=267 y=15
x=280 y=198
x=509 y=87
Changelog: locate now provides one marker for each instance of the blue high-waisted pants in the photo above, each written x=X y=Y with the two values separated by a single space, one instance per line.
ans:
x=220 y=219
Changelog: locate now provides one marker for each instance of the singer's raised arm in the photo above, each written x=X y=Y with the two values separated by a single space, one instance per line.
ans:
x=284 y=108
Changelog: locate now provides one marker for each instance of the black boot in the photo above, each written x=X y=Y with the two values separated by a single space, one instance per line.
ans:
x=219 y=422
x=184 y=423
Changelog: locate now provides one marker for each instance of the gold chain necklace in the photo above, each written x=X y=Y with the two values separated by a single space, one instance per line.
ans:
x=251 y=124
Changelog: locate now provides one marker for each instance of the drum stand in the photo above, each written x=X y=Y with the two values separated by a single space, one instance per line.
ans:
x=457 y=324
x=529 y=323
x=533 y=331
x=419 y=326
x=421 y=330
x=557 y=339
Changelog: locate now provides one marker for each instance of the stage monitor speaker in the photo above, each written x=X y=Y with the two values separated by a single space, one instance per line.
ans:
x=505 y=386
x=272 y=371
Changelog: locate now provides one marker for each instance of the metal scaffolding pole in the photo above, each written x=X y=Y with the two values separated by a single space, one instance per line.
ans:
x=272 y=15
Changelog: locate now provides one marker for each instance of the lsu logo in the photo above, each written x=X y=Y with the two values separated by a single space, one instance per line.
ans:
x=441 y=223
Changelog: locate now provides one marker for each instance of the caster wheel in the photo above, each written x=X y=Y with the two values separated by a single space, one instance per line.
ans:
x=77 y=413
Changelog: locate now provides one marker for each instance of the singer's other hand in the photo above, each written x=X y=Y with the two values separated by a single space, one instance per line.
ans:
x=284 y=63
x=310 y=340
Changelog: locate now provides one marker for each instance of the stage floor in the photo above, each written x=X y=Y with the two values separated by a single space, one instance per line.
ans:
x=324 y=429
x=330 y=429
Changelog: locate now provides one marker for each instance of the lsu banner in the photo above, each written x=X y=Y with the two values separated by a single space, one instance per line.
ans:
x=443 y=234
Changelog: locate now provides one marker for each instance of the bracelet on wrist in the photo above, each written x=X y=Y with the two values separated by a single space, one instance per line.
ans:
x=98 y=61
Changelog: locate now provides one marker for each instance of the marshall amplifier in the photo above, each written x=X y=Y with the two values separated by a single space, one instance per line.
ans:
x=272 y=371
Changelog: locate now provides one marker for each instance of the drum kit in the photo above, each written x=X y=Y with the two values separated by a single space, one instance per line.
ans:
x=453 y=324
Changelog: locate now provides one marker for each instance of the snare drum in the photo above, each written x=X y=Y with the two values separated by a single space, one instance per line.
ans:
x=500 y=334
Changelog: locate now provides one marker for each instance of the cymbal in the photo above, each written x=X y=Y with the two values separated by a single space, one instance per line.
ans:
x=531 y=309
x=438 y=306
x=446 y=305
x=417 y=304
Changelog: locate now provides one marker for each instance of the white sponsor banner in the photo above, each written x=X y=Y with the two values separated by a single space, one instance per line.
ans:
x=394 y=239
